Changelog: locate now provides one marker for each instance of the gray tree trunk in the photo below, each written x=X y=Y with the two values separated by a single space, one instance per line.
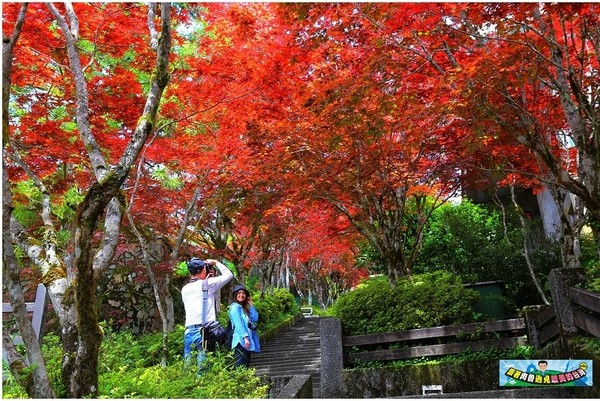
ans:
x=30 y=372
x=84 y=375
x=78 y=318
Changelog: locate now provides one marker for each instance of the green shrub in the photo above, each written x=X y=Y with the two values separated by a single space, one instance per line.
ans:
x=480 y=244
x=275 y=308
x=425 y=300
x=177 y=381
x=10 y=389
x=129 y=365
x=588 y=344
x=593 y=277
x=590 y=262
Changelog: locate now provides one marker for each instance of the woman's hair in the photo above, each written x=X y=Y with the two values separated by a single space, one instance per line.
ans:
x=244 y=304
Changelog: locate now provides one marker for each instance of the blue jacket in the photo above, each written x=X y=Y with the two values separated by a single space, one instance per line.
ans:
x=254 y=319
x=239 y=322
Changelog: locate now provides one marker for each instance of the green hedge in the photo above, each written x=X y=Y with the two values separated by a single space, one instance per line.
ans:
x=425 y=300
x=274 y=309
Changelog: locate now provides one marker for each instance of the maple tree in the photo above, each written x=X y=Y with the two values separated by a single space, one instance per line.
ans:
x=37 y=384
x=372 y=140
x=542 y=93
x=60 y=80
x=438 y=65
x=287 y=134
x=321 y=252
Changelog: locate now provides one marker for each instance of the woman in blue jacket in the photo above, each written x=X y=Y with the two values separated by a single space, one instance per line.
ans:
x=243 y=317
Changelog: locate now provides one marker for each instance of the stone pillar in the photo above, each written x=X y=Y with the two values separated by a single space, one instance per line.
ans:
x=529 y=314
x=560 y=281
x=332 y=358
x=549 y=213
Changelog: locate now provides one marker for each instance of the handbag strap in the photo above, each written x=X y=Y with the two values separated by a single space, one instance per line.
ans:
x=203 y=327
x=204 y=300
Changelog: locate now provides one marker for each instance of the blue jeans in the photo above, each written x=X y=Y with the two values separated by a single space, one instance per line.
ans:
x=192 y=343
x=241 y=356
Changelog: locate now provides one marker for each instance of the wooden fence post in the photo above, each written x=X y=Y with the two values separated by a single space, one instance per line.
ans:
x=533 y=333
x=38 y=319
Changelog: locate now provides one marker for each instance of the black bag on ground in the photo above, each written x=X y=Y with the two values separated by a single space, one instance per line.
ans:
x=212 y=334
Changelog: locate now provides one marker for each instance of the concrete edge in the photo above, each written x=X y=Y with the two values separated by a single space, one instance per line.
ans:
x=297 y=386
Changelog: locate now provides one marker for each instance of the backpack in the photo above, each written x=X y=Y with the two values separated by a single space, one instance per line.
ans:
x=228 y=336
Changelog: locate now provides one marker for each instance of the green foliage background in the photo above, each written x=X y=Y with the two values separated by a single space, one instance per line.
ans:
x=128 y=368
x=480 y=244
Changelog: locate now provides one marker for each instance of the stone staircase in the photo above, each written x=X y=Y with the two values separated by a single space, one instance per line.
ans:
x=294 y=351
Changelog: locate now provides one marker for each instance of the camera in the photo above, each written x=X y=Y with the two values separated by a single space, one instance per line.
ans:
x=252 y=326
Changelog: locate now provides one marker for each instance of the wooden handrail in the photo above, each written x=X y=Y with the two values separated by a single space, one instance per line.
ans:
x=38 y=307
x=437 y=349
x=587 y=299
x=434 y=332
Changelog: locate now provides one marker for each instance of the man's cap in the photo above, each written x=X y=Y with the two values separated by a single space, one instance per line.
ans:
x=196 y=265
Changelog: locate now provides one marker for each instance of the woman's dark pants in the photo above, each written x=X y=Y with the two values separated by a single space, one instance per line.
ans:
x=241 y=356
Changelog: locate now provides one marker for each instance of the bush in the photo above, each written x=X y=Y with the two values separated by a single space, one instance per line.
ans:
x=470 y=240
x=177 y=381
x=273 y=309
x=128 y=365
x=473 y=242
x=127 y=370
x=590 y=262
x=425 y=300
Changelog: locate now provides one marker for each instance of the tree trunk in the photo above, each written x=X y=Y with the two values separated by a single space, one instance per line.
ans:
x=31 y=374
x=536 y=282
x=85 y=374
x=148 y=262
x=80 y=373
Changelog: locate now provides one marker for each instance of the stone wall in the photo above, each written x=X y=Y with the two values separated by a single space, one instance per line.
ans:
x=290 y=387
x=408 y=380
x=557 y=350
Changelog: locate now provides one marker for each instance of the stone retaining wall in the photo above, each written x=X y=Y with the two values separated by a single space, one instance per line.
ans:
x=408 y=380
x=557 y=350
x=290 y=387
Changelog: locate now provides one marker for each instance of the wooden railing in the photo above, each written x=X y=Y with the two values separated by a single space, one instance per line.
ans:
x=512 y=329
x=546 y=325
x=38 y=308
x=585 y=320
x=585 y=306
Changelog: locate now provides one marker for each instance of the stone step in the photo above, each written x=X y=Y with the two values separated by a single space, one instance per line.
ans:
x=297 y=358
x=295 y=351
x=292 y=349
x=301 y=367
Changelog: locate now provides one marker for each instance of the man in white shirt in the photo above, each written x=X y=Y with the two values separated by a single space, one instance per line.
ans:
x=203 y=282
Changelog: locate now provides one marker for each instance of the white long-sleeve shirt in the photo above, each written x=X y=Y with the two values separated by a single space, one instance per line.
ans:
x=191 y=293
